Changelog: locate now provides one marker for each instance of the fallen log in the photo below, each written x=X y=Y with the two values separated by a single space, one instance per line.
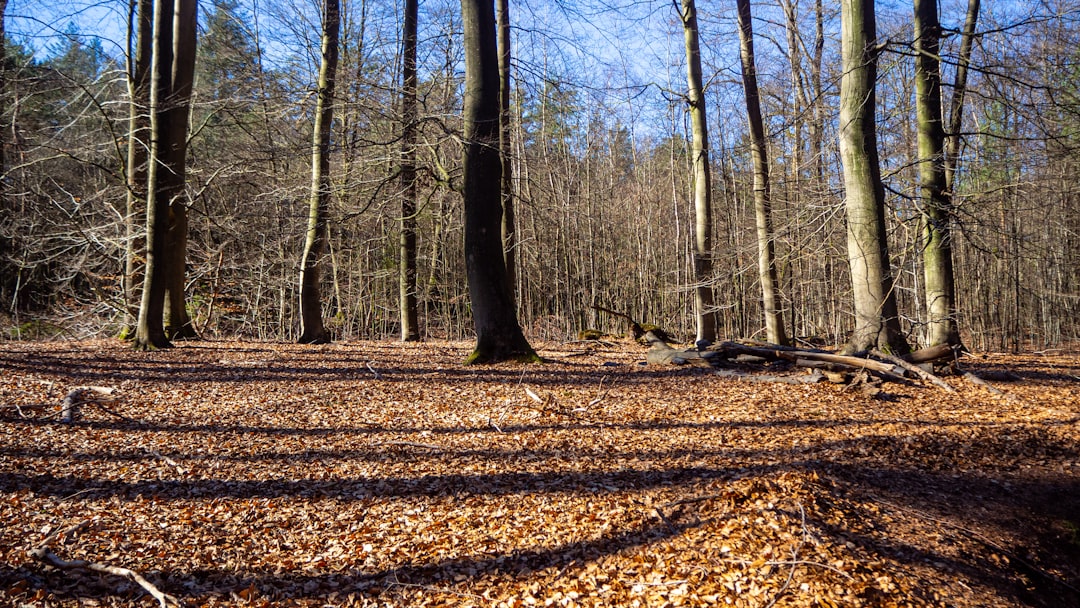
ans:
x=813 y=377
x=733 y=349
x=929 y=354
x=661 y=353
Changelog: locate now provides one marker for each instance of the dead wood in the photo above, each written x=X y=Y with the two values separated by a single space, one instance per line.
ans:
x=43 y=553
x=813 y=377
x=976 y=380
x=83 y=395
x=637 y=329
x=915 y=369
x=929 y=354
x=661 y=353
x=731 y=349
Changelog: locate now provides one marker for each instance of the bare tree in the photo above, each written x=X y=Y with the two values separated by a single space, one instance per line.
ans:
x=409 y=117
x=177 y=321
x=956 y=102
x=172 y=63
x=498 y=335
x=770 y=286
x=141 y=31
x=311 y=321
x=935 y=200
x=876 y=320
x=704 y=314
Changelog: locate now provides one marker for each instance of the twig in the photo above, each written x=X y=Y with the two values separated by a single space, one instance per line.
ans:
x=785 y=562
x=80 y=493
x=602 y=395
x=692 y=500
x=65 y=532
x=413 y=444
x=371 y=369
x=549 y=405
x=166 y=460
x=794 y=560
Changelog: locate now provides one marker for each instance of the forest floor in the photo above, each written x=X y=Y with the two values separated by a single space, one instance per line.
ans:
x=379 y=473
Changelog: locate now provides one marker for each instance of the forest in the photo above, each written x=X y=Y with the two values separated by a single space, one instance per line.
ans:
x=600 y=154
x=329 y=303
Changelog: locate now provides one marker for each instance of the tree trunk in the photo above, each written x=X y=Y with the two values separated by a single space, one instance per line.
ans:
x=312 y=330
x=407 y=279
x=177 y=322
x=498 y=335
x=774 y=318
x=876 y=321
x=956 y=103
x=172 y=66
x=502 y=17
x=142 y=28
x=935 y=200
x=703 y=293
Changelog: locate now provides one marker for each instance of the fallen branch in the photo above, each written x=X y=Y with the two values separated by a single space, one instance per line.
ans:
x=972 y=378
x=86 y=395
x=915 y=369
x=727 y=350
x=45 y=555
x=371 y=369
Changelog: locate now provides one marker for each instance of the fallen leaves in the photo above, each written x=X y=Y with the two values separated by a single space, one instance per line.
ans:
x=232 y=473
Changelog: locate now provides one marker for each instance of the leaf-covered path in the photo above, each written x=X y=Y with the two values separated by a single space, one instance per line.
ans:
x=378 y=473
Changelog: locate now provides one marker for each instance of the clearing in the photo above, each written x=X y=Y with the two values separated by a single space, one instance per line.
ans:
x=379 y=473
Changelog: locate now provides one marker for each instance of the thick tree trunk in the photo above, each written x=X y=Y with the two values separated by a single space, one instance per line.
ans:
x=774 y=318
x=160 y=179
x=311 y=322
x=935 y=200
x=410 y=330
x=174 y=179
x=703 y=292
x=141 y=28
x=498 y=335
x=876 y=320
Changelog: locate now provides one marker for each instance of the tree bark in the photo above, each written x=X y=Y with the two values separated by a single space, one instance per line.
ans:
x=956 y=103
x=509 y=227
x=172 y=63
x=876 y=320
x=774 y=318
x=498 y=335
x=935 y=201
x=703 y=293
x=174 y=179
x=141 y=27
x=407 y=279
x=311 y=322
